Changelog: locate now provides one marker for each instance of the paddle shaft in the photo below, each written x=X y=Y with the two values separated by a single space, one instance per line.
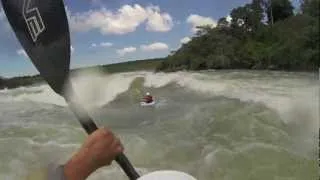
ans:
x=35 y=25
x=88 y=124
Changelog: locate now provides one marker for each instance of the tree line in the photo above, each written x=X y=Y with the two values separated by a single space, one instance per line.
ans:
x=137 y=65
x=263 y=34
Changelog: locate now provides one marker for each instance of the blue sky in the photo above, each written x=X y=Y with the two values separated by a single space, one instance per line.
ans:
x=111 y=31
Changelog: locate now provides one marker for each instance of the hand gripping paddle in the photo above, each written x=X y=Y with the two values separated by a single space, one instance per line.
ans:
x=42 y=28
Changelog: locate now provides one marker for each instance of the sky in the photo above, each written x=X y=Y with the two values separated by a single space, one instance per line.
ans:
x=112 y=31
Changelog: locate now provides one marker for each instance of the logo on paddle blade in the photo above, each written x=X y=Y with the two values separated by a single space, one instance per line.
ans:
x=33 y=20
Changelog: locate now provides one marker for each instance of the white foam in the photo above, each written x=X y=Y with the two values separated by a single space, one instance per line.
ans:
x=95 y=89
x=160 y=79
x=51 y=143
x=42 y=93
x=280 y=94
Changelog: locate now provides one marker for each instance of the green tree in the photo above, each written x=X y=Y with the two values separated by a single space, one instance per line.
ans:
x=1 y=82
x=223 y=23
x=278 y=10
x=292 y=43
x=203 y=30
x=247 y=19
x=311 y=8
x=257 y=14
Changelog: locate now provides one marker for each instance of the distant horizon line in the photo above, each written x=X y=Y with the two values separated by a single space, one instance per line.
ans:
x=80 y=67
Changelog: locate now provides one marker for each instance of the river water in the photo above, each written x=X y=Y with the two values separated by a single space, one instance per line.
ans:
x=214 y=125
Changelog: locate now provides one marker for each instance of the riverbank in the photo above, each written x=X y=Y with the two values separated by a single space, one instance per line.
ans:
x=138 y=65
x=287 y=42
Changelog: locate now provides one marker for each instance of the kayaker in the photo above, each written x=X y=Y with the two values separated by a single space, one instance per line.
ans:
x=99 y=150
x=148 y=98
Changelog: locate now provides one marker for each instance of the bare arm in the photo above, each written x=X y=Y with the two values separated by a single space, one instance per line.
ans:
x=99 y=150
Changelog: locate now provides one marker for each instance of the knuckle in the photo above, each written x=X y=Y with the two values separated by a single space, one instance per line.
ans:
x=119 y=149
x=105 y=132
x=117 y=142
x=119 y=146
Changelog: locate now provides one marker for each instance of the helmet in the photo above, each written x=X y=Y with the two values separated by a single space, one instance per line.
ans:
x=148 y=94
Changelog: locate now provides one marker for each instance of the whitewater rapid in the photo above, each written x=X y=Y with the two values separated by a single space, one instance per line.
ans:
x=212 y=124
x=277 y=90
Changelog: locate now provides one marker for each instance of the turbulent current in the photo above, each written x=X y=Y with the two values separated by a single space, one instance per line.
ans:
x=214 y=125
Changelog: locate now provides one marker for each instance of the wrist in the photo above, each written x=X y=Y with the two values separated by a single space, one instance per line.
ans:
x=78 y=167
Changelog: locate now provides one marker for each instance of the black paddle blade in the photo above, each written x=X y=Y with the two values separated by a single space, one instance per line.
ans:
x=41 y=27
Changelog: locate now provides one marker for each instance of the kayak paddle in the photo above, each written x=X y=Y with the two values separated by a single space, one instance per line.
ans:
x=41 y=26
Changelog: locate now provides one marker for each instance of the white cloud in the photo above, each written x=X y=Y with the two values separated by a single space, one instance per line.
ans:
x=106 y=44
x=124 y=20
x=102 y=44
x=22 y=52
x=158 y=21
x=158 y=46
x=126 y=50
x=185 y=40
x=197 y=20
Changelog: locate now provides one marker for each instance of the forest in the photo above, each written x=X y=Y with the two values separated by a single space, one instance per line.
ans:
x=264 y=34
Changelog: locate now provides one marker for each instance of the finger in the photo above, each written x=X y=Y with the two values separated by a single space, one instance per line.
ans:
x=113 y=150
x=106 y=136
x=117 y=146
x=106 y=132
x=98 y=133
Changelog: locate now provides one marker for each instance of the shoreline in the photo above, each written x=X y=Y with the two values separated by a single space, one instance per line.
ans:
x=129 y=66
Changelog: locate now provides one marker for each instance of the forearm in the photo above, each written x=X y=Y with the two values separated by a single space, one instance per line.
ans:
x=79 y=167
x=99 y=150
